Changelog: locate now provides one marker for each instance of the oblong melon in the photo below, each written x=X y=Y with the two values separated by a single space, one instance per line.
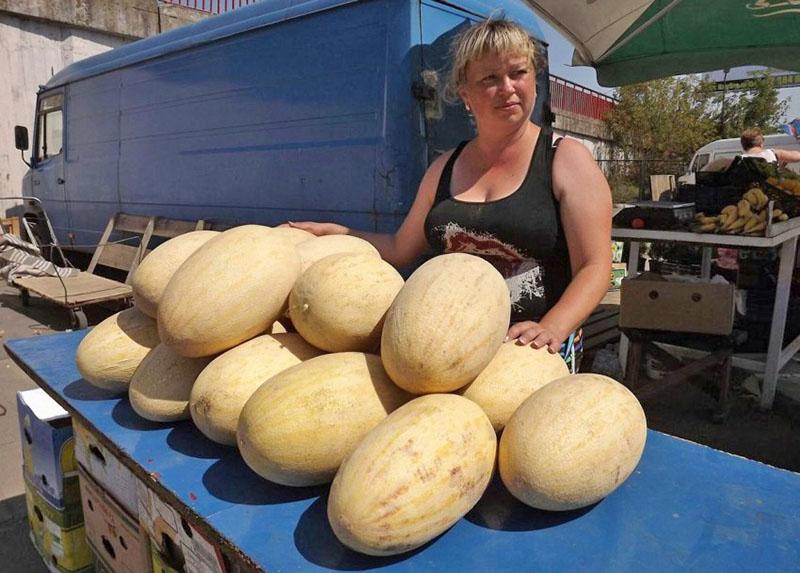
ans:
x=224 y=386
x=572 y=442
x=161 y=386
x=320 y=247
x=446 y=324
x=153 y=274
x=299 y=425
x=231 y=289
x=294 y=235
x=339 y=303
x=413 y=476
x=108 y=356
x=515 y=372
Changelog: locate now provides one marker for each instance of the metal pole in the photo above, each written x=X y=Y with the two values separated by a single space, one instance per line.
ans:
x=722 y=111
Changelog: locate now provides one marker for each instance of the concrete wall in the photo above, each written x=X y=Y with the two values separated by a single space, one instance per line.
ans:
x=40 y=37
x=31 y=51
x=131 y=18
x=591 y=132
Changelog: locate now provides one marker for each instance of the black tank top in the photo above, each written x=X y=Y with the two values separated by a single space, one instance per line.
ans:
x=520 y=235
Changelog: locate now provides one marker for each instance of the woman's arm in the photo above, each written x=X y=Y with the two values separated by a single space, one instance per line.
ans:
x=787 y=155
x=409 y=242
x=585 y=206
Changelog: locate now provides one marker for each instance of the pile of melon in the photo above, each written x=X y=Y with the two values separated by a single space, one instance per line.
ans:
x=315 y=359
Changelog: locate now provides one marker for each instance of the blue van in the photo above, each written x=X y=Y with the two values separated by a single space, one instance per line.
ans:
x=282 y=110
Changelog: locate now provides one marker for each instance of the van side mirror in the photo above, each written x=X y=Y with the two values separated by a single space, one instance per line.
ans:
x=21 y=137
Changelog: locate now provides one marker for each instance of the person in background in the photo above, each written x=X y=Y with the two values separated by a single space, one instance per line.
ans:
x=540 y=214
x=753 y=146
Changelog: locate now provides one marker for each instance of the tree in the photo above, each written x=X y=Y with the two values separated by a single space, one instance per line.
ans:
x=756 y=107
x=665 y=119
x=669 y=119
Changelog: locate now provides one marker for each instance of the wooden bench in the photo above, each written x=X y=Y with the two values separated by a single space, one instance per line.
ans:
x=87 y=288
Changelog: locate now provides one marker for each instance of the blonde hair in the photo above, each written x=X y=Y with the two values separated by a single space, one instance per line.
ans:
x=751 y=138
x=492 y=36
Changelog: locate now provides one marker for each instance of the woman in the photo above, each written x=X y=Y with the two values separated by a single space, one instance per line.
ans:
x=541 y=216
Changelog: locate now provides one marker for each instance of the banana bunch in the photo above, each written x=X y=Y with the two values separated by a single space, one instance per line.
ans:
x=788 y=185
x=747 y=217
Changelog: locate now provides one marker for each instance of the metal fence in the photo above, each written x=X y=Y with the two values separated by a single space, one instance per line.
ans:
x=574 y=98
x=212 y=6
x=629 y=179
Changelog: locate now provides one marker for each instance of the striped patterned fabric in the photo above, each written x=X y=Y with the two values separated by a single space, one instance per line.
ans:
x=20 y=258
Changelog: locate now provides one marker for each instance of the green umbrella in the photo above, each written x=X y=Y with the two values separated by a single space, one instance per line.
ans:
x=630 y=41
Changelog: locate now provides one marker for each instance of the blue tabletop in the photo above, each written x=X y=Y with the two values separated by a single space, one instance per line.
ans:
x=686 y=507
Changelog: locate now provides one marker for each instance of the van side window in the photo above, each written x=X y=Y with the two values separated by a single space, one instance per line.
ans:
x=700 y=161
x=50 y=127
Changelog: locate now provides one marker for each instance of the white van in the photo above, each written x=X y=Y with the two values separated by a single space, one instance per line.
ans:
x=730 y=148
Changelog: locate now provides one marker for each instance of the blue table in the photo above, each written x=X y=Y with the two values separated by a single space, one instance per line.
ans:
x=686 y=507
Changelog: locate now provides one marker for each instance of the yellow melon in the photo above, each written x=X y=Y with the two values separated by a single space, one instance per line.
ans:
x=294 y=235
x=339 y=303
x=515 y=372
x=153 y=274
x=299 y=425
x=231 y=289
x=223 y=387
x=161 y=386
x=446 y=324
x=320 y=247
x=572 y=442
x=108 y=356
x=277 y=328
x=413 y=476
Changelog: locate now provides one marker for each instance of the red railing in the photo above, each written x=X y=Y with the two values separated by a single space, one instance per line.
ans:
x=574 y=98
x=212 y=6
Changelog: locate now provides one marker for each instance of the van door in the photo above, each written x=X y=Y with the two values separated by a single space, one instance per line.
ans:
x=47 y=175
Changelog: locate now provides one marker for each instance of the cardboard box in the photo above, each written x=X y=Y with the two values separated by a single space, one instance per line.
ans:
x=48 y=445
x=115 y=536
x=652 y=302
x=176 y=543
x=115 y=478
x=58 y=534
x=618 y=272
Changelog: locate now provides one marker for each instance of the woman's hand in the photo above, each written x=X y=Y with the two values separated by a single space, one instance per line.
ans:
x=318 y=229
x=537 y=335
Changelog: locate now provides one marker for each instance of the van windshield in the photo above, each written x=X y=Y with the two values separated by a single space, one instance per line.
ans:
x=700 y=161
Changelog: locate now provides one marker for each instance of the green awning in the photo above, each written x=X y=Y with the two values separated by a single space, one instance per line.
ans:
x=629 y=41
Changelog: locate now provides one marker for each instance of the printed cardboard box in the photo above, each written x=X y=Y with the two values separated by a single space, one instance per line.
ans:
x=58 y=533
x=176 y=543
x=48 y=445
x=120 y=544
x=107 y=470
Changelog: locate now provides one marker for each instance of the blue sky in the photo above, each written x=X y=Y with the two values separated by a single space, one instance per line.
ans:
x=560 y=53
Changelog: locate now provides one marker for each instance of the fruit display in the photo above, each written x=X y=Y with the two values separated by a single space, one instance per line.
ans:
x=395 y=392
x=108 y=356
x=572 y=443
x=157 y=268
x=338 y=303
x=218 y=298
x=300 y=424
x=747 y=217
x=224 y=386
x=462 y=291
x=515 y=372
x=429 y=463
x=162 y=384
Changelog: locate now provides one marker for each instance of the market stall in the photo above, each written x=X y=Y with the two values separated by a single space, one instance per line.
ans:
x=685 y=507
